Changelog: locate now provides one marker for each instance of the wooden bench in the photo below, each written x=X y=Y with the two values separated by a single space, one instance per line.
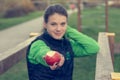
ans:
x=104 y=66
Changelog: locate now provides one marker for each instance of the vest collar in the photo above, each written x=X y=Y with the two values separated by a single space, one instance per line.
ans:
x=51 y=40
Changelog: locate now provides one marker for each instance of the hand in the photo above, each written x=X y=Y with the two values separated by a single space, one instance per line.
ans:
x=61 y=60
x=57 y=65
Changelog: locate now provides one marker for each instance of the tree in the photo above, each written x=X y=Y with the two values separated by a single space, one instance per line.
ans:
x=14 y=8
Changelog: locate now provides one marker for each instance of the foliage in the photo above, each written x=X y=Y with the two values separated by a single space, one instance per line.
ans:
x=14 y=8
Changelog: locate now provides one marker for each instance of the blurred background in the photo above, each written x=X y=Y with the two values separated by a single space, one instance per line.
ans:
x=92 y=21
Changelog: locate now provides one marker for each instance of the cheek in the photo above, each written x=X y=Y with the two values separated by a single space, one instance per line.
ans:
x=46 y=26
x=65 y=28
x=50 y=29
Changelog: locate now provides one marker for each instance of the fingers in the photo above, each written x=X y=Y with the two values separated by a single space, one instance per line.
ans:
x=57 y=65
x=54 y=66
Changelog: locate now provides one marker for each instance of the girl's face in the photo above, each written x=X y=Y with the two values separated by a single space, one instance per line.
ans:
x=56 y=25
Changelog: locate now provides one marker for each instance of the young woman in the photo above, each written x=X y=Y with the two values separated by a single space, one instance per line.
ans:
x=60 y=37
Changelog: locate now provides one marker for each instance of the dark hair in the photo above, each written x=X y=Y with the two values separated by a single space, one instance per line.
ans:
x=54 y=9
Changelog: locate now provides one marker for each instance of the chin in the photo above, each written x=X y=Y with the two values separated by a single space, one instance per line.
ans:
x=58 y=38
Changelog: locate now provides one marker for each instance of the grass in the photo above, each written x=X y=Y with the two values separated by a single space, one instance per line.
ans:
x=17 y=72
x=84 y=68
x=117 y=63
x=93 y=21
x=10 y=22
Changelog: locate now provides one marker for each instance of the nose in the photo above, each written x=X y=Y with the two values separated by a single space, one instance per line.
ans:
x=58 y=28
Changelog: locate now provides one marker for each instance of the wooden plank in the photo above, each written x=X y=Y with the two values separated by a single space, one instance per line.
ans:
x=104 y=65
x=110 y=34
x=115 y=76
x=32 y=34
x=13 y=55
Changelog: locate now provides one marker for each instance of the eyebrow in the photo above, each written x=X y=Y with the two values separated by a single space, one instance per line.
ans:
x=63 y=23
x=53 y=23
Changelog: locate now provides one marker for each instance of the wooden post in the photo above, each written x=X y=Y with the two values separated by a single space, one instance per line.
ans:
x=106 y=15
x=111 y=44
x=79 y=15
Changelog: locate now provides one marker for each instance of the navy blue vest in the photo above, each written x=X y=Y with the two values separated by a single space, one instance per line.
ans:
x=41 y=72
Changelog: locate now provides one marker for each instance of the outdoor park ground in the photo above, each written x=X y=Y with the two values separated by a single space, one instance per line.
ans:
x=93 y=22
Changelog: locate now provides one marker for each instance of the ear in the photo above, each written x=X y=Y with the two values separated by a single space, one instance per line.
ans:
x=44 y=25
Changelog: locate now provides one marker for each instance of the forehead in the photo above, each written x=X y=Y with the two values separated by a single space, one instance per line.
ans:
x=57 y=18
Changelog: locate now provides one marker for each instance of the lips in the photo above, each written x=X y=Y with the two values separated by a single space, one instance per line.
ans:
x=58 y=34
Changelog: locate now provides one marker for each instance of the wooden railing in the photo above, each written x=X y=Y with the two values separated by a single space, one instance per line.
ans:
x=104 y=64
x=13 y=55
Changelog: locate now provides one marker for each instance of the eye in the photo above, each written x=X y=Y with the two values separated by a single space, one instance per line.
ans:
x=63 y=24
x=53 y=24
